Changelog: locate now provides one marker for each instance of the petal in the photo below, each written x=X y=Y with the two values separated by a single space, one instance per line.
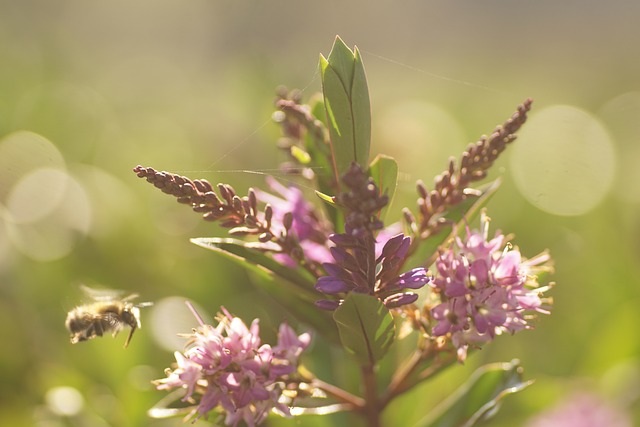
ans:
x=331 y=285
x=398 y=300
x=326 y=304
x=413 y=279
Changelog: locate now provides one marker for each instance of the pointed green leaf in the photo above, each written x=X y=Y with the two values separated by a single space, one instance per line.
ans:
x=326 y=198
x=341 y=60
x=361 y=106
x=339 y=119
x=321 y=161
x=384 y=171
x=347 y=105
x=427 y=251
x=171 y=405
x=366 y=327
x=292 y=288
x=479 y=398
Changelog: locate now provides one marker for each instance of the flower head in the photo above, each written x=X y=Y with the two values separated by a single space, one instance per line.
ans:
x=485 y=288
x=585 y=410
x=306 y=225
x=360 y=262
x=349 y=272
x=227 y=367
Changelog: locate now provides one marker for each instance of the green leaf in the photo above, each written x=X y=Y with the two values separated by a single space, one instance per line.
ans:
x=361 y=106
x=384 y=171
x=171 y=406
x=292 y=288
x=458 y=215
x=326 y=198
x=366 y=327
x=479 y=398
x=321 y=162
x=347 y=105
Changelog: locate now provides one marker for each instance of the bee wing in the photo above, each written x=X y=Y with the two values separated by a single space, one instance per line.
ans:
x=102 y=294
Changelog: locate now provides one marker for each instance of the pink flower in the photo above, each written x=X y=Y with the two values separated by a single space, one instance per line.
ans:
x=312 y=233
x=228 y=369
x=350 y=271
x=584 y=410
x=485 y=289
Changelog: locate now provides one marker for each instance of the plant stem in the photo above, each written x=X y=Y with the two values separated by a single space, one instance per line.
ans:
x=339 y=393
x=372 y=409
x=407 y=378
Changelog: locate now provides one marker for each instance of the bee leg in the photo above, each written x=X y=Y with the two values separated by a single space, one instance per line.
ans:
x=133 y=329
x=97 y=330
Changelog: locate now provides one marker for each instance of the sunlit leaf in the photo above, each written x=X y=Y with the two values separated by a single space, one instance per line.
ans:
x=366 y=327
x=171 y=406
x=326 y=198
x=317 y=406
x=292 y=288
x=384 y=171
x=479 y=398
x=347 y=105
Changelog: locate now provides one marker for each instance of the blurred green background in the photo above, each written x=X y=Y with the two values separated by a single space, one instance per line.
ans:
x=90 y=89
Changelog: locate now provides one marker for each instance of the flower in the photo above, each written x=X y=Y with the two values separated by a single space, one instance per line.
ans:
x=227 y=367
x=485 y=288
x=362 y=263
x=582 y=409
x=306 y=224
x=348 y=272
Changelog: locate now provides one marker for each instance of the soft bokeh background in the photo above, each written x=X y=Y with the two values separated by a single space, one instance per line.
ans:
x=89 y=89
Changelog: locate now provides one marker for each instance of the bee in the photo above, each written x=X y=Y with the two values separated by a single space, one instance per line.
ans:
x=106 y=314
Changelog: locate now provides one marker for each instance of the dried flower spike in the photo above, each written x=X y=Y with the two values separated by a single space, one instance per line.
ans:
x=452 y=186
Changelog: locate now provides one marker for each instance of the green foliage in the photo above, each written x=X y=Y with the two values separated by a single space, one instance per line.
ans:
x=291 y=288
x=366 y=327
x=346 y=100
x=384 y=171
x=479 y=398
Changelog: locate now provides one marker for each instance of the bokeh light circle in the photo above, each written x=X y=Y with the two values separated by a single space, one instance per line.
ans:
x=36 y=195
x=21 y=152
x=53 y=235
x=169 y=318
x=563 y=161
x=621 y=116
x=64 y=401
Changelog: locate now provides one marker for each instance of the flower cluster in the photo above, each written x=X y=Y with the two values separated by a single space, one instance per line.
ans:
x=452 y=186
x=582 y=409
x=356 y=268
x=305 y=224
x=227 y=367
x=485 y=288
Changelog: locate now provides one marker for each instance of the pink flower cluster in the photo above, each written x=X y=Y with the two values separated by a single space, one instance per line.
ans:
x=227 y=367
x=306 y=224
x=583 y=409
x=485 y=288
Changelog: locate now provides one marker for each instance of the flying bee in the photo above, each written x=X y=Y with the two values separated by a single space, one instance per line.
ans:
x=106 y=314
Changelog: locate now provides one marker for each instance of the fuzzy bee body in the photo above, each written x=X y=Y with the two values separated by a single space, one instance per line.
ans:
x=107 y=314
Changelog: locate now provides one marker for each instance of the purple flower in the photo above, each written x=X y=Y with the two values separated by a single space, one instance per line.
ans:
x=485 y=289
x=310 y=231
x=227 y=368
x=351 y=271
